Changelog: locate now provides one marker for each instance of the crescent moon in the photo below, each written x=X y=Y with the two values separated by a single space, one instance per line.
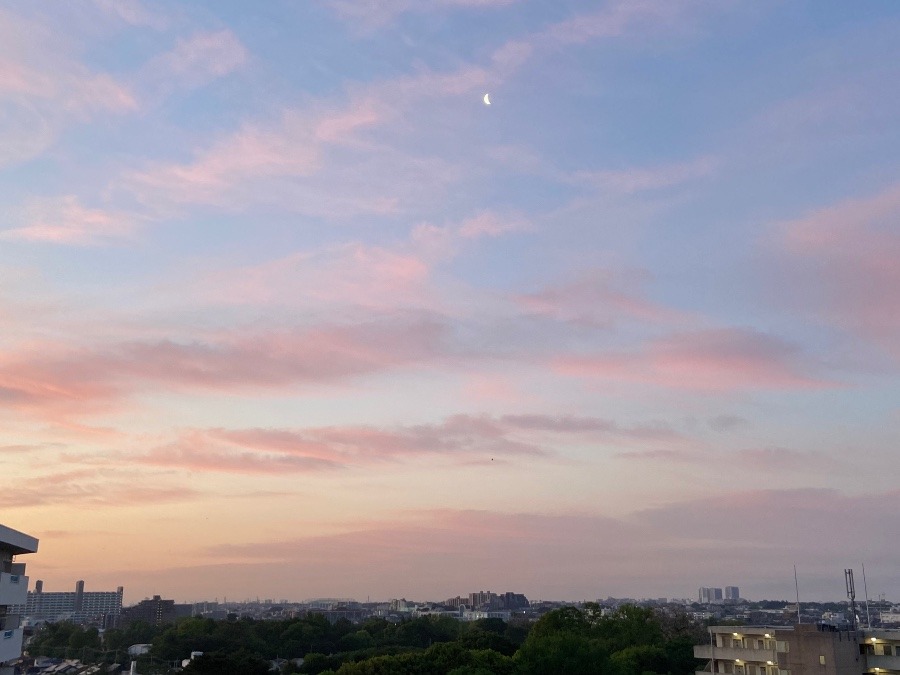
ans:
x=487 y=99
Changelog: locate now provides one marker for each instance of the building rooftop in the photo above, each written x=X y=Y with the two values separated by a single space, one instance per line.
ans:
x=17 y=542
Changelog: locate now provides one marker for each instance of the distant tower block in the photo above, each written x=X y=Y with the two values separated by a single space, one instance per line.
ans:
x=732 y=593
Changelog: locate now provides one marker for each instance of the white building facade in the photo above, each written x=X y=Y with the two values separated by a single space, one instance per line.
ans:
x=13 y=592
x=802 y=649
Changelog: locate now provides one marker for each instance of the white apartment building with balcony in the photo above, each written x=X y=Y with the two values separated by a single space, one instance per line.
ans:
x=881 y=648
x=13 y=591
x=803 y=649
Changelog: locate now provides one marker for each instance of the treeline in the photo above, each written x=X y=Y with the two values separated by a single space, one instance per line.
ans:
x=629 y=641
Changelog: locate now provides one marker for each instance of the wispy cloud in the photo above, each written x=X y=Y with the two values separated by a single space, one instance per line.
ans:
x=634 y=180
x=67 y=221
x=369 y=15
x=133 y=12
x=845 y=265
x=92 y=489
x=730 y=359
x=600 y=297
x=42 y=91
x=88 y=380
x=194 y=61
x=461 y=439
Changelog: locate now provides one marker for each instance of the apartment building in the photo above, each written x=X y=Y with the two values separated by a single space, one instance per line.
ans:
x=802 y=649
x=881 y=648
x=79 y=606
x=13 y=592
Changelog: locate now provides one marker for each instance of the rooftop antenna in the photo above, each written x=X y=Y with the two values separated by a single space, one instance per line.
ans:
x=797 y=589
x=866 y=593
x=851 y=596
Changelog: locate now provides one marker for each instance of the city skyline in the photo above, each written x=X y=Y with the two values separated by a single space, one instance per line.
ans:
x=288 y=309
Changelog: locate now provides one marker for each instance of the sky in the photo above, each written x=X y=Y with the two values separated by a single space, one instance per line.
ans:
x=287 y=311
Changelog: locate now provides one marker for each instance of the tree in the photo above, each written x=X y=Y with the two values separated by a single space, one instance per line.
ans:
x=564 y=651
x=639 y=659
x=239 y=663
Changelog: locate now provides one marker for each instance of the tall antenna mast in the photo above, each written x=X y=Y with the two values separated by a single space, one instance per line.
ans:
x=866 y=592
x=851 y=596
x=797 y=588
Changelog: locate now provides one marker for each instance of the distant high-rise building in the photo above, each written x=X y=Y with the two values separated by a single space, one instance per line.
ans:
x=710 y=595
x=80 y=606
x=732 y=593
x=13 y=593
x=155 y=611
x=481 y=598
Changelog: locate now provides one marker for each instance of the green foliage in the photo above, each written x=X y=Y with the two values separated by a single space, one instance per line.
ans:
x=238 y=663
x=629 y=641
x=439 y=659
x=640 y=659
x=563 y=651
x=135 y=633
x=66 y=640
x=630 y=626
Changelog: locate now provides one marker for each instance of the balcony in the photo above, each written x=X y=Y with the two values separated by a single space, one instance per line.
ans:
x=874 y=661
x=735 y=653
x=10 y=644
x=13 y=589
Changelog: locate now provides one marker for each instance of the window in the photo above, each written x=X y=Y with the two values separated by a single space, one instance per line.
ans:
x=821 y=659
x=782 y=646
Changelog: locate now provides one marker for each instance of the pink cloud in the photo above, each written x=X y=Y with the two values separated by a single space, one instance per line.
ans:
x=489 y=224
x=629 y=181
x=195 y=61
x=133 y=12
x=92 y=93
x=187 y=457
x=751 y=460
x=373 y=176
x=17 y=78
x=46 y=89
x=370 y=15
x=844 y=266
x=92 y=488
x=340 y=127
x=356 y=275
x=322 y=159
x=623 y=17
x=461 y=439
x=443 y=242
x=278 y=451
x=54 y=381
x=251 y=153
x=351 y=274
x=710 y=360
x=786 y=459
x=66 y=221
x=599 y=297
x=667 y=456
